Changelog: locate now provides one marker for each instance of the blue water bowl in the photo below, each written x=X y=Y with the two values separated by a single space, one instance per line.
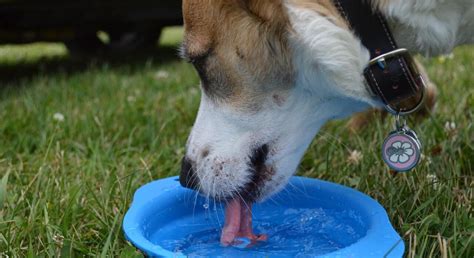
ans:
x=309 y=218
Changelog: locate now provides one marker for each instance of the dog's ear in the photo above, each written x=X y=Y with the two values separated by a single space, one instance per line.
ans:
x=266 y=11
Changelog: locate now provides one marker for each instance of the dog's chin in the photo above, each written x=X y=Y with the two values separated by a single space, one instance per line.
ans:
x=254 y=184
x=249 y=192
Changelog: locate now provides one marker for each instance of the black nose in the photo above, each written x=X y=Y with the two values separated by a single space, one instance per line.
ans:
x=188 y=177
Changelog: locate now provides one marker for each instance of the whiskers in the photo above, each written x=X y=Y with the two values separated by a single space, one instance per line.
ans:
x=213 y=193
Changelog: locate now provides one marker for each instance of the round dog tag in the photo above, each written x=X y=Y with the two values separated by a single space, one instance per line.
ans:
x=401 y=150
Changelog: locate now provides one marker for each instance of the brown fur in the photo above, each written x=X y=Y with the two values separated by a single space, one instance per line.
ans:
x=241 y=47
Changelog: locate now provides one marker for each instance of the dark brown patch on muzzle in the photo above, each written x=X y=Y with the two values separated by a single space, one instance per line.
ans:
x=260 y=173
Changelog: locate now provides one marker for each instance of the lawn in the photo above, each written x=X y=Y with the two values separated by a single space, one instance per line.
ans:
x=77 y=138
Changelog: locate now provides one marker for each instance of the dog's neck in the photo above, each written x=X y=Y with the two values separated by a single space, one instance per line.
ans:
x=429 y=27
x=330 y=60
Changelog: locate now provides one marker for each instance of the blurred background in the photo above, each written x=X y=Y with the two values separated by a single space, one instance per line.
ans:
x=94 y=102
x=88 y=27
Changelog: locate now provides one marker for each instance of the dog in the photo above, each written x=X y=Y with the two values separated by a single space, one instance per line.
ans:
x=273 y=72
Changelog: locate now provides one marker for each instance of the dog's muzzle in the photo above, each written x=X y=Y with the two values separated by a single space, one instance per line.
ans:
x=188 y=177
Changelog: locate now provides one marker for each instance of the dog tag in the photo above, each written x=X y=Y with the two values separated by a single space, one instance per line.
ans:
x=401 y=150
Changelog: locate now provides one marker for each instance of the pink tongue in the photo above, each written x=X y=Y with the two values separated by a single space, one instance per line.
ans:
x=238 y=223
x=232 y=222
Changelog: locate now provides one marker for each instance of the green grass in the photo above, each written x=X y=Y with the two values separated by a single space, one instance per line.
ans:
x=67 y=184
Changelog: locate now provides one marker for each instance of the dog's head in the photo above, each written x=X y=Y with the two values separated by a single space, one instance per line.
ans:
x=263 y=98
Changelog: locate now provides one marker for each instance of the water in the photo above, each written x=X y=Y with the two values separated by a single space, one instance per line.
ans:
x=292 y=232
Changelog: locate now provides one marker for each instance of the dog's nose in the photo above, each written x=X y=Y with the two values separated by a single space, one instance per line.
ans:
x=188 y=177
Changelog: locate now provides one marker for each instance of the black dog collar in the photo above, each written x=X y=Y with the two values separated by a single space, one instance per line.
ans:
x=391 y=73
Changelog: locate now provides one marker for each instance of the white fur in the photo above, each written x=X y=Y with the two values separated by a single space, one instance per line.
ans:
x=329 y=59
x=431 y=27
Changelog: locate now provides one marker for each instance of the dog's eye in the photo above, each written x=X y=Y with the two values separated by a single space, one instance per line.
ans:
x=197 y=60
x=194 y=59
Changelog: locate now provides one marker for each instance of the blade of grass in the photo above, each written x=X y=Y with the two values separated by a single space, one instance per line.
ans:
x=107 y=244
x=3 y=190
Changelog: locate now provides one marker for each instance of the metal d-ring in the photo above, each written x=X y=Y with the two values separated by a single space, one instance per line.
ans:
x=393 y=111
